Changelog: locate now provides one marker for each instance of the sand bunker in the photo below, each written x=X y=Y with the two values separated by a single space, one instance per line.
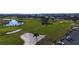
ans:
x=15 y=31
x=30 y=40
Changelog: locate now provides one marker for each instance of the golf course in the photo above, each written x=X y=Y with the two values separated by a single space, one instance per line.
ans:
x=55 y=30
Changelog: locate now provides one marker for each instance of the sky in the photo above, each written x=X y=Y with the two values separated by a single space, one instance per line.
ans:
x=39 y=6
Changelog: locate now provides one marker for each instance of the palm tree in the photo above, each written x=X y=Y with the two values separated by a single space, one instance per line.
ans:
x=36 y=35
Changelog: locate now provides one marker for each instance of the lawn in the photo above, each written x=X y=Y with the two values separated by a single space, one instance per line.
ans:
x=55 y=31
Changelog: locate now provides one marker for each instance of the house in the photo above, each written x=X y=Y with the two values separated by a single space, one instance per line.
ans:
x=4 y=21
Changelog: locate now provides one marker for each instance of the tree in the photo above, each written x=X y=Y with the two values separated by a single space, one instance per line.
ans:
x=74 y=18
x=1 y=20
x=52 y=18
x=36 y=35
x=45 y=20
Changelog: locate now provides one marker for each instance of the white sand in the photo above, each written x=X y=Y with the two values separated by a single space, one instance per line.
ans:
x=15 y=31
x=75 y=28
x=61 y=22
x=29 y=39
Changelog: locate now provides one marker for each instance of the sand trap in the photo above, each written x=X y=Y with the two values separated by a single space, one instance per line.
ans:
x=75 y=28
x=29 y=39
x=61 y=22
x=15 y=31
x=72 y=24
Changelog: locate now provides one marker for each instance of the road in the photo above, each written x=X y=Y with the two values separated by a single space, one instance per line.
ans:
x=75 y=36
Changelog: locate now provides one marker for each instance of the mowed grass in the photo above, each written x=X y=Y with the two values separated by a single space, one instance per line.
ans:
x=55 y=31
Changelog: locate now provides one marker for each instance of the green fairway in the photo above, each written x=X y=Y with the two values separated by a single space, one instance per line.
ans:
x=55 y=30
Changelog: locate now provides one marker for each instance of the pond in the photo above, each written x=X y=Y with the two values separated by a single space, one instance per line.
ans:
x=14 y=22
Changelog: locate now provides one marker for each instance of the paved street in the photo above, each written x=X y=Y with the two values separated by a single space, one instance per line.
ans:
x=75 y=36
